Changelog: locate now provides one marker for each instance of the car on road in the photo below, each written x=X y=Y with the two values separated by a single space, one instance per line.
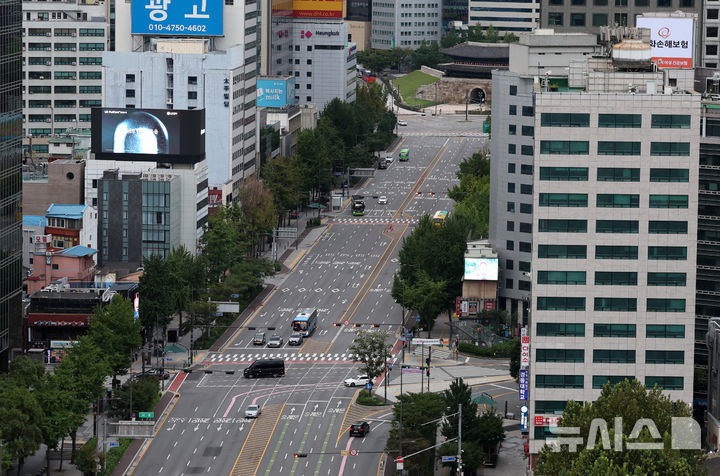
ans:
x=389 y=159
x=360 y=428
x=402 y=123
x=356 y=381
x=164 y=374
x=275 y=341
x=253 y=411
x=382 y=164
x=259 y=338
x=382 y=200
x=295 y=338
x=265 y=368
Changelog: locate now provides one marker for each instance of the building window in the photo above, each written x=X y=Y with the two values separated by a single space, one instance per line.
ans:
x=129 y=93
x=513 y=110
x=618 y=148
x=621 y=19
x=666 y=279
x=560 y=355
x=668 y=201
x=192 y=80
x=672 y=253
x=192 y=94
x=525 y=227
x=308 y=98
x=600 y=19
x=615 y=278
x=577 y=19
x=670 y=121
x=616 y=252
x=572 y=174
x=508 y=283
x=565 y=147
x=557 y=119
x=526 y=189
x=616 y=226
x=562 y=251
x=660 y=227
x=670 y=148
x=664 y=357
x=617 y=356
x=129 y=78
x=614 y=200
x=510 y=226
x=561 y=277
x=526 y=208
x=664 y=3
x=510 y=245
x=555 y=18
x=511 y=188
x=560 y=303
x=526 y=169
x=560 y=329
x=615 y=304
x=666 y=383
x=528 y=131
x=556 y=2
x=511 y=168
x=512 y=129
x=563 y=200
x=511 y=148
x=550 y=407
x=669 y=175
x=559 y=381
x=526 y=150
x=511 y=206
x=665 y=305
x=614 y=330
x=665 y=331
x=618 y=175
x=621 y=3
x=620 y=120
x=600 y=380
x=525 y=247
x=513 y=90
x=562 y=226
x=642 y=3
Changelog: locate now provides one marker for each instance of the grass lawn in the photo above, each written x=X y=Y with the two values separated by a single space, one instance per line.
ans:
x=409 y=83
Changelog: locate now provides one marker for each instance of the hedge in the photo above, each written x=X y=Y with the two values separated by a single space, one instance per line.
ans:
x=501 y=350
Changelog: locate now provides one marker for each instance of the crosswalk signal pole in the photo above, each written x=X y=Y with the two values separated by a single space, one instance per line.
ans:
x=459 y=457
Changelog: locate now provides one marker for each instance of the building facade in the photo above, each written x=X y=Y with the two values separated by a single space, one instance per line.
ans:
x=505 y=17
x=614 y=249
x=405 y=24
x=63 y=44
x=11 y=187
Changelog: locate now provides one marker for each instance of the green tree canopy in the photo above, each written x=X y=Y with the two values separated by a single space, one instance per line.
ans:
x=371 y=350
x=114 y=329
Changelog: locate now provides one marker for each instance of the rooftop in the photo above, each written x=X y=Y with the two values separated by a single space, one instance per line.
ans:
x=474 y=49
x=78 y=250
x=34 y=220
x=66 y=211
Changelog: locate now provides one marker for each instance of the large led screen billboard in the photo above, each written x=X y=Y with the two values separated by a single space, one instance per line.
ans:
x=177 y=17
x=481 y=269
x=671 y=40
x=148 y=134
x=275 y=92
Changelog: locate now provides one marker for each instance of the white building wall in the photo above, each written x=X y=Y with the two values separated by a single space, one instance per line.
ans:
x=405 y=23
x=505 y=17
x=88 y=233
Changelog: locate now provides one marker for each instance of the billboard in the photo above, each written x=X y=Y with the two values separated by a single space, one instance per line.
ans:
x=175 y=17
x=524 y=384
x=275 y=92
x=482 y=269
x=148 y=134
x=307 y=8
x=671 y=40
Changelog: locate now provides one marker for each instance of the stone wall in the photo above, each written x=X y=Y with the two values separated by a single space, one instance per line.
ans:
x=453 y=90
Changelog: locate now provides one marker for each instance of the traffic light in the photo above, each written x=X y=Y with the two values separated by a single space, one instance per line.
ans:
x=456 y=342
x=431 y=194
x=374 y=325
x=300 y=455
x=427 y=371
x=427 y=361
x=356 y=325
x=337 y=324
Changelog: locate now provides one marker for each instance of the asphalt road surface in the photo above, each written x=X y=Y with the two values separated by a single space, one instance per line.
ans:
x=347 y=276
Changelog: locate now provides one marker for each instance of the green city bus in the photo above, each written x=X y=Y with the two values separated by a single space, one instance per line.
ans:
x=404 y=155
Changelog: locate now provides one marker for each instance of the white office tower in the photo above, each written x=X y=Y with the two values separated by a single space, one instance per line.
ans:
x=614 y=234
x=199 y=54
x=63 y=43
x=405 y=24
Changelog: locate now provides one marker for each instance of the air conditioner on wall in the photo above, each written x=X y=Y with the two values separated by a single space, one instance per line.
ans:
x=74 y=63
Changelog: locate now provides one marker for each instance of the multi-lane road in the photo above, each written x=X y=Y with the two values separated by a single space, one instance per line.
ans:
x=346 y=275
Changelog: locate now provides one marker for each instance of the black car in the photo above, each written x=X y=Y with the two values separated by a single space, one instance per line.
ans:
x=265 y=368
x=360 y=428
x=382 y=164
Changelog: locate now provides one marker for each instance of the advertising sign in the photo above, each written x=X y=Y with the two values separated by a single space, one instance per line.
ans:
x=177 y=17
x=275 y=92
x=148 y=134
x=671 y=40
x=40 y=239
x=481 y=269
x=317 y=8
x=523 y=384
x=458 y=305
x=524 y=351
x=524 y=418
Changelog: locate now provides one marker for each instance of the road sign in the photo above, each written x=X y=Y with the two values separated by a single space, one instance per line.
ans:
x=353 y=452
x=524 y=384
x=113 y=444
x=147 y=414
x=417 y=319
x=234 y=295
x=448 y=459
x=399 y=463
x=347 y=323
x=368 y=386
x=344 y=452
x=419 y=341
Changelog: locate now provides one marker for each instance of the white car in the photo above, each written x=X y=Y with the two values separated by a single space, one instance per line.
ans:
x=382 y=200
x=389 y=159
x=253 y=411
x=356 y=381
x=402 y=123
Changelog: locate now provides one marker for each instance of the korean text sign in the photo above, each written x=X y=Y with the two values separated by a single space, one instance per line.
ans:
x=177 y=17
x=671 y=40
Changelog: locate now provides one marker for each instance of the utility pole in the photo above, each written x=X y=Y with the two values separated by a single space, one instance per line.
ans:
x=436 y=101
x=428 y=367
x=466 y=104
x=387 y=373
x=402 y=362
x=459 y=456
x=422 y=374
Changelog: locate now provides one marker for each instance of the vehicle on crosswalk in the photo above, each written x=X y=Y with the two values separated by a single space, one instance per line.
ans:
x=265 y=368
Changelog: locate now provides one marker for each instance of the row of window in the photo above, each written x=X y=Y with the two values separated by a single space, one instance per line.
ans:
x=63 y=103
x=555 y=225
x=611 y=200
x=611 y=278
x=655 y=331
x=611 y=174
x=610 y=356
x=676 y=253
x=580 y=147
x=577 y=381
x=65 y=89
x=66 y=47
x=611 y=304
x=658 y=121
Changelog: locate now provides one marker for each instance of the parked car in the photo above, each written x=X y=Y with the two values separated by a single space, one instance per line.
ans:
x=295 y=339
x=382 y=200
x=402 y=123
x=259 y=338
x=253 y=411
x=358 y=380
x=360 y=428
x=275 y=341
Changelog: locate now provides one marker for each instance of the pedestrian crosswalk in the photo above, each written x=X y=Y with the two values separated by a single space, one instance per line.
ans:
x=446 y=134
x=287 y=356
x=375 y=221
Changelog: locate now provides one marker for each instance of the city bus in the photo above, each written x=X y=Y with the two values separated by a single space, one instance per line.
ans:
x=440 y=217
x=358 y=205
x=305 y=321
x=404 y=155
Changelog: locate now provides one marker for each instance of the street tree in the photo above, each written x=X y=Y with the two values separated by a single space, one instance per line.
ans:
x=57 y=404
x=114 y=329
x=225 y=242
x=371 y=350
x=256 y=202
x=459 y=393
x=188 y=277
x=631 y=401
x=136 y=395
x=427 y=296
x=21 y=418
x=282 y=176
x=156 y=293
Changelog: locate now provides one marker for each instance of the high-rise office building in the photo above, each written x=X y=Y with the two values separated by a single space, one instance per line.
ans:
x=505 y=17
x=402 y=24
x=63 y=43
x=614 y=227
x=11 y=186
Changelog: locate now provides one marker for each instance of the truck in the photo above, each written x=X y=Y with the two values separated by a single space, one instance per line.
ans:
x=358 y=205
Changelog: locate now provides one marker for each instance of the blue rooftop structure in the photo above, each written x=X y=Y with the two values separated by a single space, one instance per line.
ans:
x=34 y=220
x=74 y=212
x=78 y=250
